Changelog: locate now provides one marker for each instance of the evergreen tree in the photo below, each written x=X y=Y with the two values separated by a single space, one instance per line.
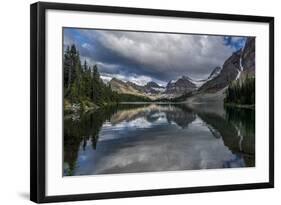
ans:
x=241 y=92
x=82 y=82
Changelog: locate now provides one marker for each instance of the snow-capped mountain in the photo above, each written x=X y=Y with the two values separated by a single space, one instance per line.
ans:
x=238 y=65
x=214 y=73
x=152 y=87
x=198 y=83
x=180 y=86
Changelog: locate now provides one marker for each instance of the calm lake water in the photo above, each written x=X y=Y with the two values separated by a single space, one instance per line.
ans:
x=158 y=137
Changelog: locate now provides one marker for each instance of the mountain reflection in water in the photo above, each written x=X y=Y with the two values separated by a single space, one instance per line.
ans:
x=158 y=137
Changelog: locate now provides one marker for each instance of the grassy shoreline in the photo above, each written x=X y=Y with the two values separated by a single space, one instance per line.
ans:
x=83 y=106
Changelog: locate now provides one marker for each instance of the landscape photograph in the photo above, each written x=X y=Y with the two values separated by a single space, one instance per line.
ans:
x=140 y=101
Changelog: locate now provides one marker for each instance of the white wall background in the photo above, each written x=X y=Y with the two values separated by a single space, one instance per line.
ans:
x=14 y=101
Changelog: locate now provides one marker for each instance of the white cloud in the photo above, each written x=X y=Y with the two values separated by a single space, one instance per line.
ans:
x=137 y=79
x=161 y=56
x=177 y=54
x=86 y=45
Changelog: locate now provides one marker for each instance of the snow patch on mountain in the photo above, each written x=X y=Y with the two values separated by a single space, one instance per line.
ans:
x=214 y=73
x=240 y=64
x=238 y=74
x=198 y=83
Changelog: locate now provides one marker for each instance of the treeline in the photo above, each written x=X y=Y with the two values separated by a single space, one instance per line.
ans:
x=132 y=98
x=242 y=93
x=82 y=82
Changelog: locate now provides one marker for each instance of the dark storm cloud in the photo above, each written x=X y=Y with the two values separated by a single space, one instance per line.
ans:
x=152 y=56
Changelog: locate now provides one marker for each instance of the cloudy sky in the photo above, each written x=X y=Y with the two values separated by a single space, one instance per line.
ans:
x=144 y=56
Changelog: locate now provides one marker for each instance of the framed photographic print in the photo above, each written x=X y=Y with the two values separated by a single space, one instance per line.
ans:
x=129 y=102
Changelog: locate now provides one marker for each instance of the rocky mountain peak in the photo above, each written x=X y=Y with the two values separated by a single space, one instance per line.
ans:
x=237 y=66
x=214 y=73
x=115 y=80
x=248 y=56
x=135 y=86
x=226 y=75
x=180 y=86
x=152 y=84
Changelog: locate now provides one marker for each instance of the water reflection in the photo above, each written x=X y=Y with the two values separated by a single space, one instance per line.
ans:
x=153 y=137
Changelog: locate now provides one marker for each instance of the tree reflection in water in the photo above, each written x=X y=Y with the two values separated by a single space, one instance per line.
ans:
x=236 y=129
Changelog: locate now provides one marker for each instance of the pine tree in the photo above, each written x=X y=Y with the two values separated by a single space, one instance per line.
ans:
x=83 y=82
x=241 y=92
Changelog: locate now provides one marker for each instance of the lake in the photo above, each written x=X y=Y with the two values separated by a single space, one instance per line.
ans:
x=131 y=138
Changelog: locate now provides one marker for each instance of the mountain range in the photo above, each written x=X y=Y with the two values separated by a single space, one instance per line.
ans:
x=240 y=64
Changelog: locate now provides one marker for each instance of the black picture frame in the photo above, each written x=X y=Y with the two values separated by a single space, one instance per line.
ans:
x=38 y=100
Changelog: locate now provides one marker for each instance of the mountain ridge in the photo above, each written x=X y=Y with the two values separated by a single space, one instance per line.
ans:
x=240 y=64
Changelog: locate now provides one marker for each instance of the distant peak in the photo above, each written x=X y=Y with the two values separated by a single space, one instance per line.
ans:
x=185 y=77
x=152 y=84
x=116 y=80
x=216 y=71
